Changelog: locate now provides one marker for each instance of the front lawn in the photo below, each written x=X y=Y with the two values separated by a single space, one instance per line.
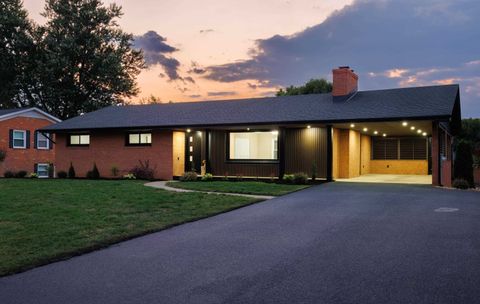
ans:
x=246 y=187
x=46 y=220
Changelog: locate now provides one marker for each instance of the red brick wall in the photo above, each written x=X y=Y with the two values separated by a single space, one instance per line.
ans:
x=23 y=159
x=107 y=149
x=476 y=176
x=345 y=81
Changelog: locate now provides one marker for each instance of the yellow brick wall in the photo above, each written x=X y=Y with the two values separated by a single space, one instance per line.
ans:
x=418 y=167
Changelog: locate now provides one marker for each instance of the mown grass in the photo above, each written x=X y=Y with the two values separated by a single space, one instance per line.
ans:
x=47 y=220
x=246 y=187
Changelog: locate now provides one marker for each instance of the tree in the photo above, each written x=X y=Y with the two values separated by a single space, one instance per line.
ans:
x=463 y=168
x=85 y=60
x=313 y=86
x=16 y=43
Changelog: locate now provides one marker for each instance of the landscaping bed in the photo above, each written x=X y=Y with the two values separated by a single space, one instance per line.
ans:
x=245 y=187
x=47 y=220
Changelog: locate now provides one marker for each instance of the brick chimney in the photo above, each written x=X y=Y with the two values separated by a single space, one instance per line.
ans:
x=345 y=81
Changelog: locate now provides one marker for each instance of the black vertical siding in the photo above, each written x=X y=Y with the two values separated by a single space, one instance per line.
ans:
x=303 y=147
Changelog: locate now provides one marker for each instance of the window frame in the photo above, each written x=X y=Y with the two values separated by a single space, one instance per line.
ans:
x=140 y=144
x=43 y=164
x=69 y=141
x=46 y=139
x=250 y=161
x=24 y=132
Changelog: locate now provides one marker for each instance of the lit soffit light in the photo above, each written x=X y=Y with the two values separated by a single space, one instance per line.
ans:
x=188 y=130
x=412 y=128
x=352 y=125
x=365 y=129
x=275 y=132
x=248 y=129
x=199 y=133
x=309 y=126
x=375 y=132
x=384 y=135
x=404 y=123
x=419 y=131
x=424 y=133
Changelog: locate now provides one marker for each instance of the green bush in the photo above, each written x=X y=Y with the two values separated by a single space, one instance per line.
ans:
x=62 y=174
x=189 y=176
x=21 y=174
x=300 y=178
x=143 y=170
x=463 y=167
x=288 y=178
x=460 y=183
x=93 y=174
x=314 y=171
x=9 y=174
x=207 y=177
x=71 y=171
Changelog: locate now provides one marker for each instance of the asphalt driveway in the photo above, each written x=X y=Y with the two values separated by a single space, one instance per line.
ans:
x=333 y=243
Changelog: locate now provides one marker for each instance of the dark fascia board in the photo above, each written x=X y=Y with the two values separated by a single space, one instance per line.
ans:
x=286 y=123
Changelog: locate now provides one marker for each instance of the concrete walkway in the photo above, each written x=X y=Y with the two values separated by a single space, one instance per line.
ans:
x=163 y=185
x=389 y=179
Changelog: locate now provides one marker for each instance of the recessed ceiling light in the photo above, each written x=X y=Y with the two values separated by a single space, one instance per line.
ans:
x=308 y=127
x=419 y=131
x=188 y=130
x=275 y=132
x=365 y=129
x=424 y=133
x=384 y=135
x=412 y=128
x=248 y=129
x=352 y=125
x=404 y=123
x=375 y=132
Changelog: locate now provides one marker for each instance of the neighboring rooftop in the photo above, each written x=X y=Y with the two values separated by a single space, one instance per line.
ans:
x=432 y=102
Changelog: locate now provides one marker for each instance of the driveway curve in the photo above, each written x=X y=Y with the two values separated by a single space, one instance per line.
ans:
x=333 y=243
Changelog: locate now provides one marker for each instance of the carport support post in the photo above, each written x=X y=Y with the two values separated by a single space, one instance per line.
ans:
x=329 y=174
x=281 y=153
x=436 y=161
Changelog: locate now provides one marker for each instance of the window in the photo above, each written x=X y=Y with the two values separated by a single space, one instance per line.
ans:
x=42 y=170
x=42 y=141
x=79 y=140
x=404 y=148
x=19 y=139
x=139 y=139
x=253 y=145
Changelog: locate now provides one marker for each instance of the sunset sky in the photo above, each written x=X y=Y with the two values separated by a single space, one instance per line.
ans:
x=199 y=50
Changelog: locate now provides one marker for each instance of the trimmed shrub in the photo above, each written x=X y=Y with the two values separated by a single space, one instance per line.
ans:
x=143 y=171
x=114 y=170
x=189 y=176
x=62 y=174
x=51 y=171
x=93 y=174
x=314 y=171
x=288 y=178
x=21 y=174
x=460 y=183
x=207 y=177
x=8 y=174
x=300 y=178
x=463 y=167
x=3 y=155
x=71 y=171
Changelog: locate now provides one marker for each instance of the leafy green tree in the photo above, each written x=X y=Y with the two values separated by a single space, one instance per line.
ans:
x=463 y=168
x=16 y=44
x=86 y=61
x=313 y=86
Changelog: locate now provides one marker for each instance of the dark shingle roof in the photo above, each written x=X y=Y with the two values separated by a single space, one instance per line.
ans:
x=419 y=102
x=8 y=111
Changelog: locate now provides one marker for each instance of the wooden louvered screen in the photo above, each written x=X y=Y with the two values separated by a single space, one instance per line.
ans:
x=399 y=148
x=384 y=148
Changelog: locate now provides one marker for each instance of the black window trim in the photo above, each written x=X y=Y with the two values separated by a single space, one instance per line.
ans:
x=139 y=133
x=69 y=141
x=248 y=161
